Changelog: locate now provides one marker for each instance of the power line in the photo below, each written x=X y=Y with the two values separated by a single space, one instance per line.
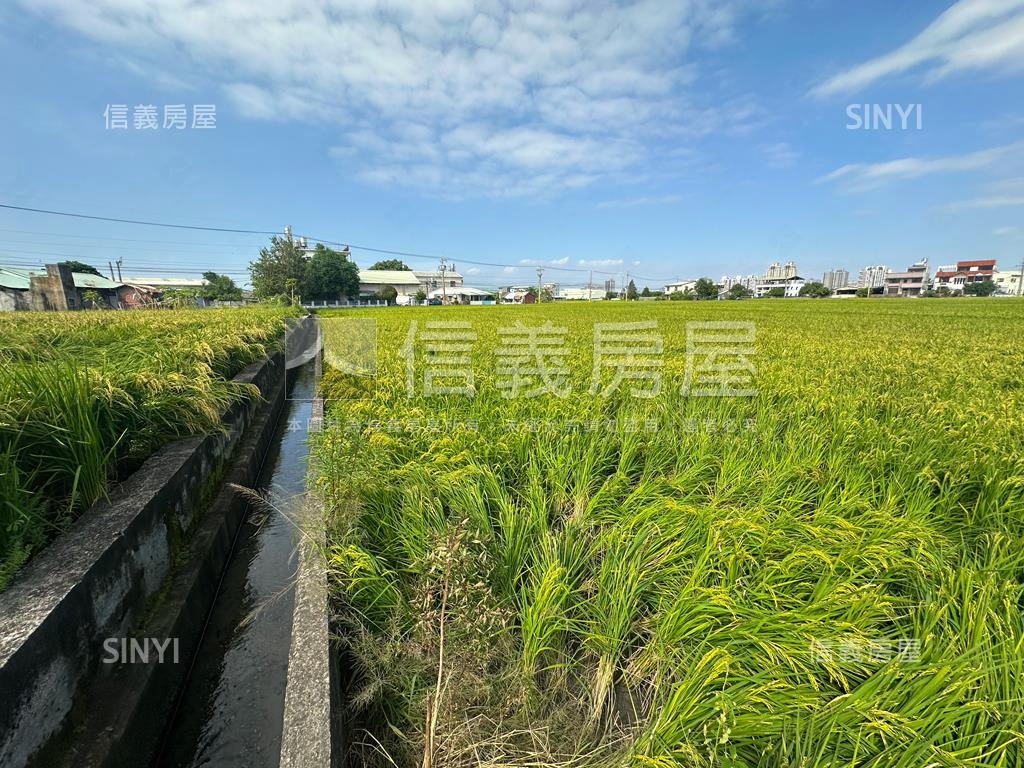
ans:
x=371 y=249
x=136 y=221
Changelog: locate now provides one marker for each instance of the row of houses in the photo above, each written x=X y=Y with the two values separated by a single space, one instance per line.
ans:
x=913 y=281
x=58 y=288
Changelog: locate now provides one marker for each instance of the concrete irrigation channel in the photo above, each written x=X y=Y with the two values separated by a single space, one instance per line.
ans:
x=182 y=622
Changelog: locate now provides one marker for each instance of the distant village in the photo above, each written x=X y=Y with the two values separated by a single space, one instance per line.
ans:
x=67 y=286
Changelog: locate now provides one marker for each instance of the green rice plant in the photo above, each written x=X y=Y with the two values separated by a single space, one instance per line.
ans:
x=85 y=397
x=828 y=573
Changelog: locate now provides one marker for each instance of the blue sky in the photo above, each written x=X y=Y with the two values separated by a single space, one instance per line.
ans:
x=662 y=139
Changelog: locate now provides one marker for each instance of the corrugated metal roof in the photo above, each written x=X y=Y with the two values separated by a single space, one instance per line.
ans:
x=387 y=277
x=85 y=280
x=12 y=277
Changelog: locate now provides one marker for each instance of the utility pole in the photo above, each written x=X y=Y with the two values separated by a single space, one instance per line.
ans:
x=590 y=286
x=118 y=263
x=111 y=268
x=540 y=278
x=444 y=286
x=1020 y=280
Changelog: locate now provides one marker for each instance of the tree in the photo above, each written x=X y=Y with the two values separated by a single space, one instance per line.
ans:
x=738 y=291
x=815 y=290
x=982 y=288
x=219 y=288
x=387 y=293
x=179 y=297
x=777 y=292
x=329 y=275
x=81 y=266
x=281 y=262
x=392 y=264
x=631 y=293
x=862 y=293
x=646 y=292
x=93 y=298
x=421 y=296
x=705 y=289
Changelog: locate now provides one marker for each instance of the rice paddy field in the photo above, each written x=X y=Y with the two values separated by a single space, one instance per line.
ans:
x=577 y=557
x=86 y=396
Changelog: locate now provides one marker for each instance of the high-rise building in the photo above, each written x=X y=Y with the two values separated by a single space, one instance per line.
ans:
x=836 y=278
x=872 y=277
x=609 y=286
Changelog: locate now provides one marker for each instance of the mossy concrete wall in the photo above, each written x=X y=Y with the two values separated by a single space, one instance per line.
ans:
x=144 y=564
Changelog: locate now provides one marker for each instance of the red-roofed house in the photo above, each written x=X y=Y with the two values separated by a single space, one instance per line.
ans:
x=955 y=278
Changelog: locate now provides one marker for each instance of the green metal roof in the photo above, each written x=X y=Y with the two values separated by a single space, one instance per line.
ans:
x=13 y=277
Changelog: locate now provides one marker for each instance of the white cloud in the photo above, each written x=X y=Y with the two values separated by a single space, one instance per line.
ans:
x=999 y=201
x=455 y=97
x=473 y=271
x=970 y=35
x=633 y=202
x=862 y=176
x=600 y=262
x=780 y=154
x=1006 y=231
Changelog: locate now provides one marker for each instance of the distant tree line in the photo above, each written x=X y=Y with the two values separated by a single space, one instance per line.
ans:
x=285 y=270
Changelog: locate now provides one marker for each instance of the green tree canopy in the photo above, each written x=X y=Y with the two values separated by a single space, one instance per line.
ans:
x=81 y=266
x=738 y=291
x=776 y=293
x=391 y=264
x=706 y=289
x=387 y=293
x=983 y=288
x=631 y=293
x=278 y=263
x=219 y=288
x=815 y=290
x=329 y=275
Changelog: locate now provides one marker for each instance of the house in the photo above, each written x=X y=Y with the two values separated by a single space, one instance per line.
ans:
x=956 y=277
x=1009 y=283
x=790 y=285
x=405 y=282
x=586 y=293
x=681 y=286
x=910 y=283
x=429 y=280
x=518 y=295
x=55 y=288
x=462 y=294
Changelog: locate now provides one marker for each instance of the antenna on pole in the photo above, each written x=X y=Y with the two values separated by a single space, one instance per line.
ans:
x=540 y=278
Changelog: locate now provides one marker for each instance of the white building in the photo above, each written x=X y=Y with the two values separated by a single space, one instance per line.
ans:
x=587 y=293
x=835 y=279
x=872 y=277
x=749 y=282
x=460 y=294
x=791 y=286
x=403 y=281
x=431 y=279
x=1008 y=283
x=681 y=285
